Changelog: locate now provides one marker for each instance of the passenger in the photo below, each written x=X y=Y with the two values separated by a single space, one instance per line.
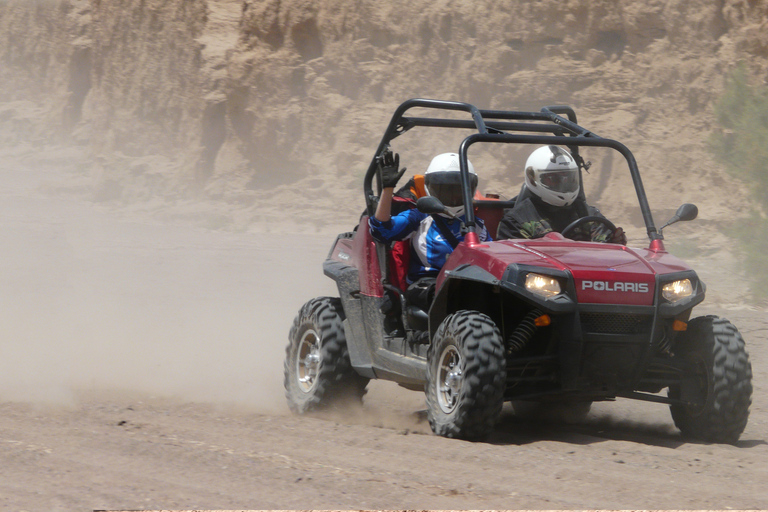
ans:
x=549 y=201
x=432 y=237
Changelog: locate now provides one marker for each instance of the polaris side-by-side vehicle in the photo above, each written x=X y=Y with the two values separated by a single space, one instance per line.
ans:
x=548 y=324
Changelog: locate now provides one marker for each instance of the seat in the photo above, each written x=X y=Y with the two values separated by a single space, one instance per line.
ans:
x=491 y=209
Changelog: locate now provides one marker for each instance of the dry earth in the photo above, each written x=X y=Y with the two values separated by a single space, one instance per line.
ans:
x=142 y=369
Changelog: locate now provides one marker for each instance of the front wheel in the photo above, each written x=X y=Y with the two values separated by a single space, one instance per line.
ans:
x=317 y=370
x=466 y=375
x=718 y=389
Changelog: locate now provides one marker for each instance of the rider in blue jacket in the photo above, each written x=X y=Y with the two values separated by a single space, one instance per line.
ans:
x=432 y=238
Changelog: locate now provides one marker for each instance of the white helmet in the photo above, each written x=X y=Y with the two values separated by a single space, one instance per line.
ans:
x=443 y=181
x=552 y=174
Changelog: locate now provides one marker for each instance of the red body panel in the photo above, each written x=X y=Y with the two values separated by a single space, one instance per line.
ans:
x=360 y=252
x=603 y=273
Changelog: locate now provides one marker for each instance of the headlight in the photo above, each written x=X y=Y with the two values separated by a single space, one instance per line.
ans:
x=544 y=286
x=677 y=290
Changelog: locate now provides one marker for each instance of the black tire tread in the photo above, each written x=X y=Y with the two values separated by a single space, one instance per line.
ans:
x=726 y=412
x=336 y=379
x=484 y=376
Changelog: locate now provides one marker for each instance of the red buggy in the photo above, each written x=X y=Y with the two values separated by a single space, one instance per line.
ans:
x=548 y=323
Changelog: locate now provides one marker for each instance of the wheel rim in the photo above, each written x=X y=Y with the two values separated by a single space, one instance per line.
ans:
x=449 y=379
x=308 y=361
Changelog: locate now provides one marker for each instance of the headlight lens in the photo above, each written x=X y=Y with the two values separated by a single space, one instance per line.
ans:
x=544 y=286
x=677 y=290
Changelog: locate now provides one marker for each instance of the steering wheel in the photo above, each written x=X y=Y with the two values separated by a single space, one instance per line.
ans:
x=589 y=218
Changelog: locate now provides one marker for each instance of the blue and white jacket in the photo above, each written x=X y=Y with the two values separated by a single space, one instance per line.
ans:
x=429 y=249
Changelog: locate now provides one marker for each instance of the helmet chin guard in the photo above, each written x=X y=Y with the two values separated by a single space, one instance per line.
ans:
x=456 y=211
x=552 y=174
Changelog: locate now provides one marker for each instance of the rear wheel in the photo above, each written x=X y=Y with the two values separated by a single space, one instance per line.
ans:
x=718 y=390
x=317 y=370
x=465 y=376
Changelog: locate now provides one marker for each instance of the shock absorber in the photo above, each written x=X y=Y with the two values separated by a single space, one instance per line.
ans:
x=523 y=333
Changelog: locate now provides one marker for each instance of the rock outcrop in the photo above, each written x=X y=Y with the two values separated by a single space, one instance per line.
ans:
x=273 y=103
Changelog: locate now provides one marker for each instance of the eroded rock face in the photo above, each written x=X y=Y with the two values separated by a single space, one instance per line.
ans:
x=247 y=95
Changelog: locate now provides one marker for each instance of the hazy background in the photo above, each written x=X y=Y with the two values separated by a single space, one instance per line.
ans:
x=99 y=301
x=173 y=173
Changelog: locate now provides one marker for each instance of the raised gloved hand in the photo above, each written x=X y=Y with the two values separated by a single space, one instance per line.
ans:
x=619 y=237
x=388 y=163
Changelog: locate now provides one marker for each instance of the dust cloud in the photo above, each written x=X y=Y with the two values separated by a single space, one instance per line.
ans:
x=98 y=301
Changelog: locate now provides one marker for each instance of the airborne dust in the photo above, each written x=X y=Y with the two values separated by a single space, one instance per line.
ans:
x=101 y=302
x=96 y=300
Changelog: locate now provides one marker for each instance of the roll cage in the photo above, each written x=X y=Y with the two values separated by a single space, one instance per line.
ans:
x=500 y=126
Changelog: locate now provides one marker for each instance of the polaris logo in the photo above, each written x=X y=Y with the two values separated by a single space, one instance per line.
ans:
x=607 y=286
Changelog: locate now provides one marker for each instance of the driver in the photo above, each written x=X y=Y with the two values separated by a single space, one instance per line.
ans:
x=549 y=201
x=432 y=237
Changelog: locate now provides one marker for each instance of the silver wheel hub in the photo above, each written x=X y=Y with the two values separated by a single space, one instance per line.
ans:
x=449 y=379
x=308 y=361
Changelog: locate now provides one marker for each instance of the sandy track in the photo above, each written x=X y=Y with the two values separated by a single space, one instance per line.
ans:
x=142 y=368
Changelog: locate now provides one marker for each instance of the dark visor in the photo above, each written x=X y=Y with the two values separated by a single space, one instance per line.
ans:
x=446 y=186
x=560 y=181
x=448 y=178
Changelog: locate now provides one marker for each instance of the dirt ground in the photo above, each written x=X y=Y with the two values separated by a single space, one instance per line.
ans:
x=141 y=368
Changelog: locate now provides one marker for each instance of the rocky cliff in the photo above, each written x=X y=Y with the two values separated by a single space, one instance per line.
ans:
x=269 y=105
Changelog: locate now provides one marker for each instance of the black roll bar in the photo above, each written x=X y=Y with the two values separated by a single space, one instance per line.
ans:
x=542 y=128
x=398 y=124
x=592 y=141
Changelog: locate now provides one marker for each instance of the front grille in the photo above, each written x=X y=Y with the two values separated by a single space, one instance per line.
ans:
x=611 y=323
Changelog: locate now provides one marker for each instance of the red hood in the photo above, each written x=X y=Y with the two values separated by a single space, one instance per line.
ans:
x=603 y=273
